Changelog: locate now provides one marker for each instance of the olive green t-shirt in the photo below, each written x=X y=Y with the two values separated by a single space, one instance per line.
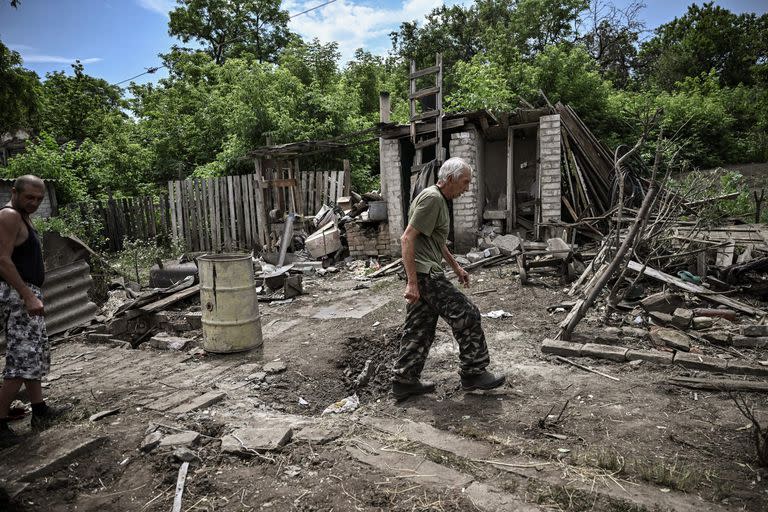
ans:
x=429 y=216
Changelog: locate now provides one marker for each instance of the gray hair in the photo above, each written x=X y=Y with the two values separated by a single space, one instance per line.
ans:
x=453 y=168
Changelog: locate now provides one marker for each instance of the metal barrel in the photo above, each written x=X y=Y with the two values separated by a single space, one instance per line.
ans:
x=231 y=320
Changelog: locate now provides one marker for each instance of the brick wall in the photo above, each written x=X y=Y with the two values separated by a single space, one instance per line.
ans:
x=368 y=239
x=466 y=209
x=550 y=187
x=391 y=187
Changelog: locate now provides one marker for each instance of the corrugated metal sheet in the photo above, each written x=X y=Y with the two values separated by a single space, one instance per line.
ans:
x=66 y=298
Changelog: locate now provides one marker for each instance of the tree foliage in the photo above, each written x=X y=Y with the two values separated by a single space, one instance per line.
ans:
x=19 y=93
x=232 y=28
x=247 y=80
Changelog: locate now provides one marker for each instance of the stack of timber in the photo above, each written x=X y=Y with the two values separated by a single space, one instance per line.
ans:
x=588 y=170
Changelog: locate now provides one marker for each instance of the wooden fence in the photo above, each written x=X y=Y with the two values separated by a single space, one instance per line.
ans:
x=235 y=212
x=132 y=218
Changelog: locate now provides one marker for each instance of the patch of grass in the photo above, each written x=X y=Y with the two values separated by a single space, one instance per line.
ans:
x=604 y=458
x=673 y=474
x=577 y=500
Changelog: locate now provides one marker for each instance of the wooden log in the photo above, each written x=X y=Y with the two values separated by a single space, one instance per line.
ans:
x=386 y=268
x=695 y=289
x=719 y=384
x=180 y=480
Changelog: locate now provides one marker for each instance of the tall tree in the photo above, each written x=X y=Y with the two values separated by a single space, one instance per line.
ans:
x=611 y=34
x=19 y=93
x=231 y=28
x=79 y=106
x=705 y=38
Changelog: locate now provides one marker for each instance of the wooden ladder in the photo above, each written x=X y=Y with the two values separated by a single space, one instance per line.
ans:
x=426 y=135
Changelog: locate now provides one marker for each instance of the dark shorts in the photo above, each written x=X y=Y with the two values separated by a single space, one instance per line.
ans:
x=28 y=354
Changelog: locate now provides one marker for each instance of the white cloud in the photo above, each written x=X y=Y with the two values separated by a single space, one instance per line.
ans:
x=158 y=6
x=354 y=25
x=56 y=59
x=20 y=47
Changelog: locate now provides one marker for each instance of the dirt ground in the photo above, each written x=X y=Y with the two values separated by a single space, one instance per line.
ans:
x=572 y=440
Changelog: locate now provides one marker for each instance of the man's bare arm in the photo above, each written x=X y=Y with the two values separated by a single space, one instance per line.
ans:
x=10 y=225
x=462 y=274
x=407 y=242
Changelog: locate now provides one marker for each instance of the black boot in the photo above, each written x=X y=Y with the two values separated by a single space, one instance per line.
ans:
x=402 y=390
x=44 y=416
x=484 y=381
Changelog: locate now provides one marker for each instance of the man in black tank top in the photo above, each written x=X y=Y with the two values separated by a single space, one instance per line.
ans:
x=27 y=356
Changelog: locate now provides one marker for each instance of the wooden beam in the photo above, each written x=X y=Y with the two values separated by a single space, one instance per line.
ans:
x=695 y=289
x=511 y=216
x=424 y=72
x=422 y=93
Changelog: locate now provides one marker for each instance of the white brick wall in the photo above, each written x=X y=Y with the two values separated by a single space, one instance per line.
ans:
x=391 y=184
x=550 y=187
x=368 y=239
x=465 y=208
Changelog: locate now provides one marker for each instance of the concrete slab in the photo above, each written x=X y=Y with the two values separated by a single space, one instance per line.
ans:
x=316 y=434
x=429 y=435
x=490 y=499
x=199 y=402
x=416 y=468
x=60 y=456
x=561 y=348
x=652 y=356
x=608 y=352
x=741 y=368
x=750 y=341
x=700 y=362
x=266 y=438
x=187 y=438
x=172 y=400
x=361 y=306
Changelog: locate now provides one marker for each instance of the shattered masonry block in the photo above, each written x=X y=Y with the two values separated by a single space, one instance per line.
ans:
x=750 y=341
x=754 y=330
x=702 y=322
x=700 y=362
x=246 y=440
x=662 y=302
x=718 y=337
x=561 y=348
x=609 y=352
x=739 y=368
x=651 y=356
x=99 y=337
x=671 y=338
x=681 y=318
x=195 y=319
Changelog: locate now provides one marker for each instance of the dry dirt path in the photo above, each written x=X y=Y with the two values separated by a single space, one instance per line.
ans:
x=635 y=444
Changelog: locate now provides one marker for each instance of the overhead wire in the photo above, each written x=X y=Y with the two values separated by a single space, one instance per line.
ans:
x=151 y=70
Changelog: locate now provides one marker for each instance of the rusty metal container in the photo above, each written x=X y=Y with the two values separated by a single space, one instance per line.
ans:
x=231 y=320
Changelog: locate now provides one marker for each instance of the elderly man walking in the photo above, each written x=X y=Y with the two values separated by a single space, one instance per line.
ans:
x=431 y=296
x=27 y=356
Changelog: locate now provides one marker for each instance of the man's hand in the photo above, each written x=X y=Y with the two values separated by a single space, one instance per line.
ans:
x=411 y=293
x=463 y=276
x=34 y=305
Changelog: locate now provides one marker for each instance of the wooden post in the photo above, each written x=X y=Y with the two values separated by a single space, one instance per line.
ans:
x=758 y=204
x=348 y=179
x=384 y=111
x=511 y=194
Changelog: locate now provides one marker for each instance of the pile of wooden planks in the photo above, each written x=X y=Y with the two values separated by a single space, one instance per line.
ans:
x=587 y=168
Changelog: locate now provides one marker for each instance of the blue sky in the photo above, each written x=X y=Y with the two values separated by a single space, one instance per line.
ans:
x=118 y=39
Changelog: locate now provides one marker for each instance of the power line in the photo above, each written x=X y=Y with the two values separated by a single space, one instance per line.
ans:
x=149 y=71
x=312 y=9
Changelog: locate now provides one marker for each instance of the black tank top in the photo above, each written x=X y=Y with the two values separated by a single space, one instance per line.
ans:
x=28 y=256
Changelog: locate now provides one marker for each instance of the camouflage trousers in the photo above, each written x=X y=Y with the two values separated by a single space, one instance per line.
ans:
x=28 y=354
x=440 y=299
